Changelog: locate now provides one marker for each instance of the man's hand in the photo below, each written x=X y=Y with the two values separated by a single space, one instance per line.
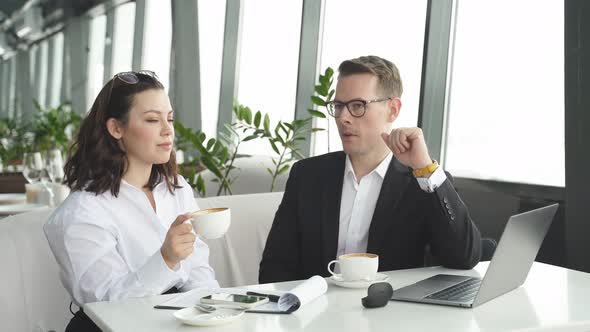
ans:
x=408 y=146
x=179 y=241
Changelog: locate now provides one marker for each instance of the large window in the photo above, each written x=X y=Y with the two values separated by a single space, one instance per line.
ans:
x=41 y=73
x=391 y=29
x=506 y=109
x=123 y=38
x=56 y=70
x=157 y=39
x=98 y=26
x=211 y=29
x=268 y=62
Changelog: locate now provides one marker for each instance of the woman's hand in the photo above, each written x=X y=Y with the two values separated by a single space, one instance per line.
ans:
x=179 y=241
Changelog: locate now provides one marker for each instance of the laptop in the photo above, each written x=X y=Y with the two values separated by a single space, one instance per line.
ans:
x=508 y=269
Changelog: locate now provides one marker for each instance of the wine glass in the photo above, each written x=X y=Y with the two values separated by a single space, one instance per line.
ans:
x=35 y=172
x=33 y=167
x=55 y=165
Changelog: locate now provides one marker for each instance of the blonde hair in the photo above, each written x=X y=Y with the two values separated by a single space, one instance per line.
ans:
x=387 y=73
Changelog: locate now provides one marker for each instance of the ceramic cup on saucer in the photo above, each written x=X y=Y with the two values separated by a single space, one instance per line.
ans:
x=211 y=223
x=353 y=267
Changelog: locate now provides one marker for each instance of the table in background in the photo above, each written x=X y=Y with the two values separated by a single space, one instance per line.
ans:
x=13 y=203
x=550 y=298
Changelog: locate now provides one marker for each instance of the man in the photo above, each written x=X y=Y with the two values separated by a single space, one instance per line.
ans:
x=382 y=195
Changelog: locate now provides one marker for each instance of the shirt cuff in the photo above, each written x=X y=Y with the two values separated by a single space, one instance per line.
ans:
x=156 y=274
x=435 y=180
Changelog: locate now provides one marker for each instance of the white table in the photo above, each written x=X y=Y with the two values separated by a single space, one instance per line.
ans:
x=552 y=298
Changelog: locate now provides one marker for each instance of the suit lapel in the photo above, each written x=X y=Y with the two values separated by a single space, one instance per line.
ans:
x=394 y=185
x=331 y=198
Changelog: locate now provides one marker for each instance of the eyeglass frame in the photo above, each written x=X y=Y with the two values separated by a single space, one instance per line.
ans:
x=365 y=103
x=132 y=74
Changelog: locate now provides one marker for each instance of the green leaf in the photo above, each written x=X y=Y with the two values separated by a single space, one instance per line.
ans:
x=288 y=125
x=322 y=90
x=210 y=143
x=270 y=172
x=211 y=166
x=201 y=137
x=274 y=146
x=247 y=115
x=257 y=119
x=317 y=114
x=223 y=157
x=280 y=139
x=331 y=94
x=249 y=138
x=200 y=186
x=283 y=169
x=236 y=110
x=329 y=72
x=318 y=101
x=317 y=129
x=266 y=123
x=281 y=125
x=217 y=147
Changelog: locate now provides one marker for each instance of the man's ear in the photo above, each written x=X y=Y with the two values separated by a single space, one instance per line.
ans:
x=395 y=105
x=114 y=128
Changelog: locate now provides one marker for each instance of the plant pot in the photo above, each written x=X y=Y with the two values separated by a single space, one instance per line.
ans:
x=12 y=182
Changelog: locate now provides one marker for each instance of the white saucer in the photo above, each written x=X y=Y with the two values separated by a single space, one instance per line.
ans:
x=337 y=280
x=12 y=198
x=193 y=316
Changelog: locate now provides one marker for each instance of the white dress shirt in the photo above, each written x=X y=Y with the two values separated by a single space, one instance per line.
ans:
x=108 y=247
x=358 y=203
x=357 y=206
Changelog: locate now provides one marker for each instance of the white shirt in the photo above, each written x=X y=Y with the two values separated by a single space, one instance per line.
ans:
x=358 y=204
x=108 y=247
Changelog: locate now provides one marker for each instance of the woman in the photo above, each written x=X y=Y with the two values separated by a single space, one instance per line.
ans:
x=121 y=232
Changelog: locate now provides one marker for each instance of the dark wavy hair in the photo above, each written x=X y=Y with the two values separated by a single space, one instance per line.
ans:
x=96 y=163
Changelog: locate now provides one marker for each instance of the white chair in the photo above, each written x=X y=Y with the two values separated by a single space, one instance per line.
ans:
x=236 y=256
x=32 y=297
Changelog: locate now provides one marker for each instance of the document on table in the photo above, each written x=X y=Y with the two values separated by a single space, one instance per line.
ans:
x=307 y=291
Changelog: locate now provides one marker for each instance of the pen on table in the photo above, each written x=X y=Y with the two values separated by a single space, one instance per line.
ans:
x=271 y=298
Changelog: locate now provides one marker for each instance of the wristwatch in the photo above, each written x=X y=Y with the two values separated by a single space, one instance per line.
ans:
x=430 y=168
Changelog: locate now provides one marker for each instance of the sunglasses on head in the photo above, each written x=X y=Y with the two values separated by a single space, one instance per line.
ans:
x=129 y=77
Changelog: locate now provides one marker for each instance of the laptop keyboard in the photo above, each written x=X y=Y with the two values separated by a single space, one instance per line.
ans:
x=463 y=291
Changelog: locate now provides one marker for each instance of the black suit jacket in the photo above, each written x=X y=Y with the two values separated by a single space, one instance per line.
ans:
x=304 y=234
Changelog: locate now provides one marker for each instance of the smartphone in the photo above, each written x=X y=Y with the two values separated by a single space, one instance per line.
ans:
x=244 y=301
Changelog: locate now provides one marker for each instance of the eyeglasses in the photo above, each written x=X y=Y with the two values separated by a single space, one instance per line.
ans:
x=129 y=77
x=356 y=107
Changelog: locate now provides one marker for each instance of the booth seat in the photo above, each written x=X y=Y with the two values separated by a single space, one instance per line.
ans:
x=32 y=297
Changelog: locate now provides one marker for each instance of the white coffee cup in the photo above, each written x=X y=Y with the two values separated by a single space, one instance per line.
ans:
x=211 y=223
x=353 y=267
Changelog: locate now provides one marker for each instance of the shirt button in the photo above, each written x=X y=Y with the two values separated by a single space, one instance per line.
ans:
x=452 y=217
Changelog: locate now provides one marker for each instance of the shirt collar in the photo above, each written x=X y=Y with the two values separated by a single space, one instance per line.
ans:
x=381 y=169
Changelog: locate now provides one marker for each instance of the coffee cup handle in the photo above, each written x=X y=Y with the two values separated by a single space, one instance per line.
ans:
x=329 y=269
